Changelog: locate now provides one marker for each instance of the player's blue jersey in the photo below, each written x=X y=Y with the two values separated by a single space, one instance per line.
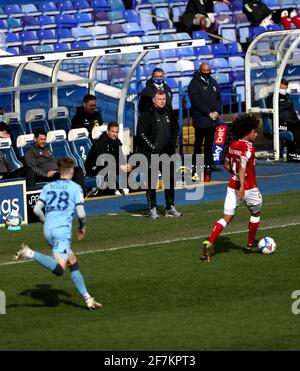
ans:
x=60 y=199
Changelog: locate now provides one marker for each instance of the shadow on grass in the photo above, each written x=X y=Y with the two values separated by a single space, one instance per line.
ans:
x=48 y=296
x=224 y=245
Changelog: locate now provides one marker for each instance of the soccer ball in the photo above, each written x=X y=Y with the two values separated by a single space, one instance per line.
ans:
x=267 y=245
x=13 y=220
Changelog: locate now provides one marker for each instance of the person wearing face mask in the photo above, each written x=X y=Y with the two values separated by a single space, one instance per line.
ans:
x=156 y=83
x=205 y=97
x=288 y=116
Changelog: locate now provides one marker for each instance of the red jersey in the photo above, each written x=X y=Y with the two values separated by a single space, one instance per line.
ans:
x=237 y=150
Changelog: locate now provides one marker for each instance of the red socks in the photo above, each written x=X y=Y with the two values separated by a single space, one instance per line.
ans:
x=218 y=228
x=285 y=20
x=253 y=226
x=295 y=18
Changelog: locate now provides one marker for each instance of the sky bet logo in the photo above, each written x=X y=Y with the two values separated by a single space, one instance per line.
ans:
x=13 y=198
x=219 y=143
x=7 y=206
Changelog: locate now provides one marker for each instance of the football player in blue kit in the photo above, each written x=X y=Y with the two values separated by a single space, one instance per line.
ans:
x=55 y=208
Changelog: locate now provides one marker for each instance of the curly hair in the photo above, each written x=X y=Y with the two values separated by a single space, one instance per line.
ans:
x=244 y=124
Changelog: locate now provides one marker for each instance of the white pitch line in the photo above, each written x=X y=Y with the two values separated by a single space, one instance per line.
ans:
x=149 y=244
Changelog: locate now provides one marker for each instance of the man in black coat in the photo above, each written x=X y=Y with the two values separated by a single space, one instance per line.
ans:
x=205 y=97
x=288 y=117
x=196 y=16
x=108 y=143
x=158 y=133
x=86 y=115
x=156 y=83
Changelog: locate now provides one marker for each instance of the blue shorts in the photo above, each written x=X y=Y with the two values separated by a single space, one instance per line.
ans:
x=60 y=241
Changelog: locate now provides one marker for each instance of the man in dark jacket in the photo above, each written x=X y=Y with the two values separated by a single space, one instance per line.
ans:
x=156 y=83
x=195 y=15
x=108 y=143
x=288 y=117
x=158 y=133
x=43 y=163
x=205 y=97
x=86 y=115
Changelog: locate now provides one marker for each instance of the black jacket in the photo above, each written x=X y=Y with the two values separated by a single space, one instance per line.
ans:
x=205 y=97
x=287 y=113
x=41 y=160
x=103 y=145
x=148 y=93
x=86 y=120
x=256 y=11
x=157 y=131
x=4 y=164
x=195 y=7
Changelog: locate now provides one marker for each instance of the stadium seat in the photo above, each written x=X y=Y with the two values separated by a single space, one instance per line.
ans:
x=203 y=52
x=116 y=30
x=82 y=34
x=101 y=18
x=14 y=10
x=61 y=47
x=220 y=65
x=66 y=7
x=9 y=153
x=12 y=119
x=36 y=118
x=66 y=21
x=58 y=119
x=99 y=32
x=114 y=4
x=101 y=5
x=26 y=49
x=29 y=38
x=64 y=35
x=170 y=69
x=12 y=39
x=24 y=143
x=31 y=23
x=48 y=8
x=47 y=21
x=202 y=35
x=133 y=29
x=60 y=145
x=79 y=45
x=84 y=19
x=44 y=48
x=47 y=36
x=132 y=16
x=219 y=50
x=168 y=55
x=14 y=24
x=186 y=67
x=116 y=16
x=83 y=6
x=30 y=9
x=235 y=49
x=236 y=63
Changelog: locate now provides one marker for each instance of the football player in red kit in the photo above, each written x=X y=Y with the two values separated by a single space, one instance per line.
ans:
x=240 y=162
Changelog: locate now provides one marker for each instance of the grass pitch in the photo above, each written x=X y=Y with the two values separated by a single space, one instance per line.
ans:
x=156 y=292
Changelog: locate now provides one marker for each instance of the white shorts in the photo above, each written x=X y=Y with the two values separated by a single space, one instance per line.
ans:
x=253 y=200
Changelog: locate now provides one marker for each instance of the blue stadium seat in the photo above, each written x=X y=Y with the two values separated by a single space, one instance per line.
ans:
x=203 y=52
x=66 y=21
x=47 y=21
x=12 y=119
x=115 y=16
x=116 y=30
x=31 y=23
x=114 y=4
x=170 y=69
x=14 y=24
x=101 y=18
x=80 y=45
x=9 y=153
x=99 y=32
x=235 y=49
x=30 y=9
x=26 y=49
x=219 y=50
x=36 y=118
x=24 y=143
x=29 y=38
x=61 y=47
x=13 y=10
x=84 y=19
x=202 y=35
x=47 y=36
x=59 y=144
x=14 y=51
x=132 y=16
x=82 y=33
x=168 y=55
x=12 y=39
x=236 y=6
x=220 y=65
x=66 y=7
x=64 y=35
x=133 y=29
x=58 y=119
x=236 y=63
x=83 y=6
x=48 y=8
x=100 y=5
x=43 y=48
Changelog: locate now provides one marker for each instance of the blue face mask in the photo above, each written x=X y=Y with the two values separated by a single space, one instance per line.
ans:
x=1 y=117
x=158 y=81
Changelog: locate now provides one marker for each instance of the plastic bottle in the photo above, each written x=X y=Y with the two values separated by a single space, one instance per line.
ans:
x=285 y=154
x=207 y=174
